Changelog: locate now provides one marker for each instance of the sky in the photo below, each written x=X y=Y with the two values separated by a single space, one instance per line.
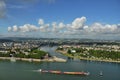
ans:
x=91 y=19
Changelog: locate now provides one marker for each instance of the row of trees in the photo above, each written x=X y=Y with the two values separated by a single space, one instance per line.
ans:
x=104 y=54
x=95 y=53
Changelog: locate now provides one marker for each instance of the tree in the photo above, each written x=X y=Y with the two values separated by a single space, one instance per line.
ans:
x=69 y=51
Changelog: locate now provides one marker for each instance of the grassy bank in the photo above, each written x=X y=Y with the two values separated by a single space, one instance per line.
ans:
x=83 y=58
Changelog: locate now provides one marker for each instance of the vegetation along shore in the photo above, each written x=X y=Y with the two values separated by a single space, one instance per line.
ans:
x=90 y=54
x=33 y=55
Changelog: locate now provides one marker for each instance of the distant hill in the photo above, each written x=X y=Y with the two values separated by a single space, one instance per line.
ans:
x=6 y=40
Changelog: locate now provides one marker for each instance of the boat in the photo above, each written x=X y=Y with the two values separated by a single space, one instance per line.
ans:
x=101 y=74
x=77 y=73
x=55 y=72
x=64 y=72
x=12 y=59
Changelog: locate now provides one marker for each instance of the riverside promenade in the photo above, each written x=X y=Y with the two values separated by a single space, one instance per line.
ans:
x=53 y=59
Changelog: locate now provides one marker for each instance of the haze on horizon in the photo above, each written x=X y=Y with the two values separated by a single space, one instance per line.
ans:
x=91 y=19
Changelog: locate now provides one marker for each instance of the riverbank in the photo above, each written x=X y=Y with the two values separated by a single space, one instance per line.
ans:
x=91 y=59
x=54 y=59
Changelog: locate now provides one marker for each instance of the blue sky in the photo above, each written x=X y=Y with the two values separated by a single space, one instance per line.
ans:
x=60 y=18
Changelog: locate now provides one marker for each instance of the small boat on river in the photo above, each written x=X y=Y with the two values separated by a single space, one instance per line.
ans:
x=64 y=72
x=12 y=59
x=101 y=73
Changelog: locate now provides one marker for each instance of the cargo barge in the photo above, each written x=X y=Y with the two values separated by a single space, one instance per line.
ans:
x=64 y=72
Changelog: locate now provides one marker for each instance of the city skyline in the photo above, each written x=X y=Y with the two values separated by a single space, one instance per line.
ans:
x=92 y=19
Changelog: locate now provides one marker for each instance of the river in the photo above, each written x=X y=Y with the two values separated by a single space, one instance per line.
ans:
x=24 y=70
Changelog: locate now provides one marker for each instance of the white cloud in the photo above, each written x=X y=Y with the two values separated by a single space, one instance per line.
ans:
x=2 y=9
x=15 y=28
x=76 y=28
x=24 y=28
x=9 y=28
x=45 y=28
x=61 y=25
x=102 y=28
x=28 y=28
x=41 y=22
x=78 y=23
x=56 y=28
x=86 y=27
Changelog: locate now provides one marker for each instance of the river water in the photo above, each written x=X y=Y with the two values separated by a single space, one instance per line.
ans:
x=24 y=70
